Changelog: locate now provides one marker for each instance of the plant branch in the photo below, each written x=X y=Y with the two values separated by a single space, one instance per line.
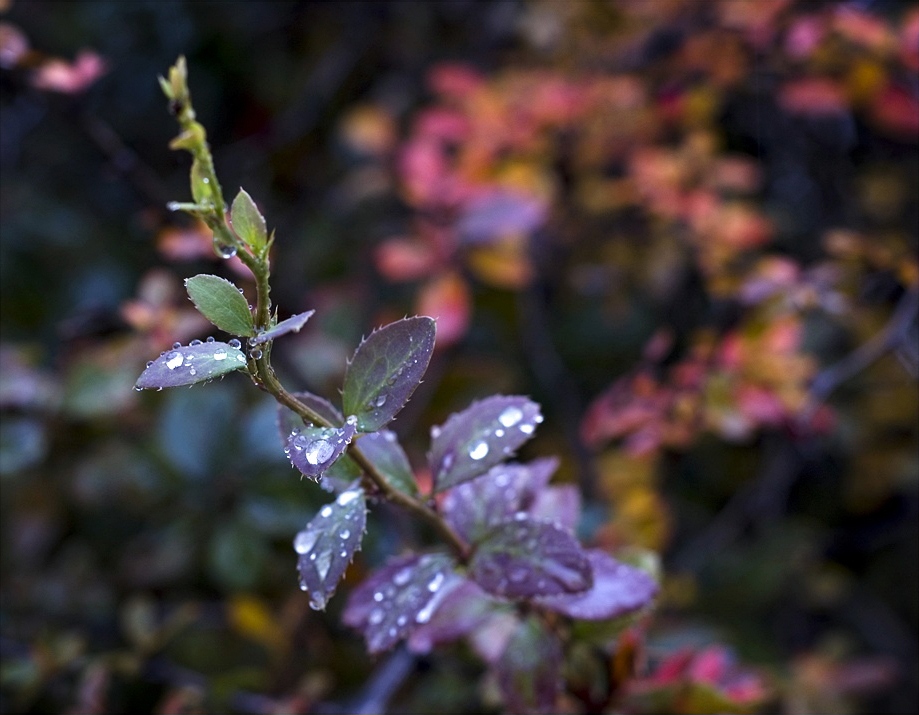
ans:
x=213 y=212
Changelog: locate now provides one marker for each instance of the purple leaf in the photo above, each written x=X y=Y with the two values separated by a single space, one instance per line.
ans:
x=398 y=598
x=387 y=455
x=313 y=450
x=486 y=433
x=191 y=364
x=529 y=671
x=328 y=543
x=291 y=325
x=288 y=420
x=618 y=589
x=475 y=507
x=525 y=558
x=385 y=370
x=560 y=505
x=463 y=608
x=499 y=213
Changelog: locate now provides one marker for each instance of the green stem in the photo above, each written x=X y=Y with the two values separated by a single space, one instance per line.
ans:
x=260 y=368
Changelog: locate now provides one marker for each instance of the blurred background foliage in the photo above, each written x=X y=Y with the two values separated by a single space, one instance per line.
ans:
x=680 y=226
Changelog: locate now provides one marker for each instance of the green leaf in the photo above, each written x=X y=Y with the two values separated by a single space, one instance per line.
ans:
x=220 y=301
x=248 y=222
x=387 y=455
x=189 y=365
x=385 y=370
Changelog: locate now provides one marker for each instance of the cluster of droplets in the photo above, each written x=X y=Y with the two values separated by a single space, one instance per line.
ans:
x=320 y=559
x=512 y=417
x=413 y=600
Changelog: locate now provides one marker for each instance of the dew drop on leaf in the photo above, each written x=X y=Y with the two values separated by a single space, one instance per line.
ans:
x=345 y=534
x=478 y=450
x=220 y=355
x=194 y=343
x=325 y=512
x=305 y=540
x=234 y=343
x=510 y=416
x=174 y=360
x=319 y=451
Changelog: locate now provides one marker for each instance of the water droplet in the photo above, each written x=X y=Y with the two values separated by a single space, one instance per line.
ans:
x=255 y=353
x=240 y=358
x=192 y=371
x=448 y=460
x=435 y=432
x=520 y=516
x=401 y=621
x=343 y=554
x=380 y=401
x=205 y=180
x=402 y=577
x=478 y=450
x=510 y=416
x=325 y=512
x=234 y=343
x=378 y=596
x=252 y=341
x=303 y=585
x=538 y=419
x=176 y=345
x=194 y=343
x=220 y=354
x=527 y=428
x=174 y=206
x=347 y=497
x=352 y=420
x=210 y=339
x=502 y=479
x=323 y=563
x=138 y=389
x=149 y=363
x=499 y=432
x=174 y=360
x=305 y=541
x=376 y=615
x=435 y=582
x=344 y=534
x=225 y=250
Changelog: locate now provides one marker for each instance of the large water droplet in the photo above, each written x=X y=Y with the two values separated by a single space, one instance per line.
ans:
x=527 y=428
x=234 y=343
x=194 y=343
x=325 y=512
x=510 y=416
x=305 y=540
x=378 y=596
x=224 y=250
x=220 y=354
x=319 y=451
x=176 y=346
x=210 y=338
x=478 y=450
x=344 y=534
x=380 y=401
x=174 y=360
